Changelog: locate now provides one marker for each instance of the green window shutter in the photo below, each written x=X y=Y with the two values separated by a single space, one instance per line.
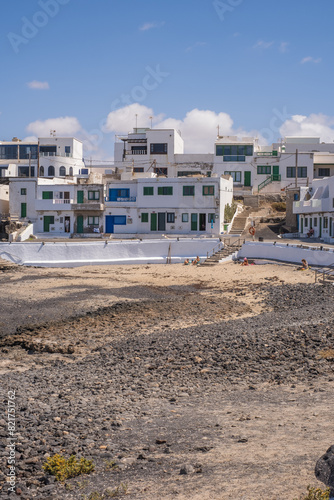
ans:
x=47 y=195
x=169 y=190
x=193 y=222
x=23 y=210
x=144 y=217
x=188 y=190
x=160 y=190
x=80 y=196
x=148 y=191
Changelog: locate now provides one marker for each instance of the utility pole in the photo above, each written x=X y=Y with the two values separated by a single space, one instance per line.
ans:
x=296 y=178
x=29 y=162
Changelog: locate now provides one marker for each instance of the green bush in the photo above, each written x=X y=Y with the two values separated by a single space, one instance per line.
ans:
x=63 y=468
x=279 y=206
x=316 y=494
x=230 y=211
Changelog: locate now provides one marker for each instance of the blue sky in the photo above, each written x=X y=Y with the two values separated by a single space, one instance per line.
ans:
x=87 y=67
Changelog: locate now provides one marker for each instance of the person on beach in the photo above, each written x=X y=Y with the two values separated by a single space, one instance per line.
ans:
x=196 y=261
x=245 y=262
x=304 y=266
x=186 y=262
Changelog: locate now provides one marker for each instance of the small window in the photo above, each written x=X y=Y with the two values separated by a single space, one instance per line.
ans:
x=236 y=176
x=165 y=190
x=171 y=217
x=23 y=190
x=208 y=190
x=144 y=217
x=325 y=222
x=148 y=191
x=211 y=218
x=93 y=195
x=51 y=171
x=291 y=172
x=185 y=217
x=93 y=221
x=161 y=171
x=62 y=171
x=264 y=169
x=315 y=222
x=158 y=148
x=138 y=169
x=47 y=195
x=324 y=172
x=306 y=221
x=67 y=150
x=41 y=171
x=188 y=190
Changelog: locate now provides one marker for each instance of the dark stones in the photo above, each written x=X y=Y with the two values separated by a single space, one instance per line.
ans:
x=324 y=469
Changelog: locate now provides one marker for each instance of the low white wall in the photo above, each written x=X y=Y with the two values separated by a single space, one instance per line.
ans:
x=287 y=253
x=26 y=233
x=73 y=254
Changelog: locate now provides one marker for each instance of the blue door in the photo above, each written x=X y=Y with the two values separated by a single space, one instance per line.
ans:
x=114 y=220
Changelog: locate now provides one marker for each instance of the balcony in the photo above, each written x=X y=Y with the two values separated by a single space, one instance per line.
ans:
x=267 y=153
x=46 y=155
x=88 y=206
x=137 y=152
x=311 y=206
x=53 y=204
x=130 y=198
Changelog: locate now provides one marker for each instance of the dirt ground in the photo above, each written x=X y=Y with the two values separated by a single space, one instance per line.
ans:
x=241 y=440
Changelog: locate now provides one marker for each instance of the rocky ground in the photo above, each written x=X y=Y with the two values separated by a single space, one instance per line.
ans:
x=178 y=383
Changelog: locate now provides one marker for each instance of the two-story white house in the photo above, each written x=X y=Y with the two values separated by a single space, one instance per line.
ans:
x=181 y=205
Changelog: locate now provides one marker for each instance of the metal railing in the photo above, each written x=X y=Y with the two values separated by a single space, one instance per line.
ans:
x=130 y=198
x=269 y=180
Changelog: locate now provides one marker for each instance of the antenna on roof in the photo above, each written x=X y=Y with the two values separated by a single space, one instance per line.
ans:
x=218 y=131
x=52 y=133
x=136 y=123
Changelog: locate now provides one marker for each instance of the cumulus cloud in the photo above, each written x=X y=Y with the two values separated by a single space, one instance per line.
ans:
x=123 y=120
x=261 y=44
x=149 y=26
x=65 y=125
x=36 y=85
x=283 y=47
x=314 y=125
x=197 y=44
x=310 y=59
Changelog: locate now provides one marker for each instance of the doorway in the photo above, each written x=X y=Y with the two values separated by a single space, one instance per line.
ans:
x=202 y=222
x=48 y=219
x=247 y=179
x=161 y=221
x=67 y=224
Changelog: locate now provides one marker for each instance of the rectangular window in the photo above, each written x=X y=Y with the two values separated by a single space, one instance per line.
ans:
x=158 y=148
x=235 y=151
x=8 y=152
x=23 y=190
x=291 y=172
x=264 y=169
x=67 y=150
x=324 y=172
x=185 y=217
x=26 y=150
x=93 y=195
x=148 y=191
x=208 y=190
x=138 y=169
x=325 y=222
x=47 y=195
x=315 y=222
x=165 y=190
x=171 y=217
x=188 y=190
x=93 y=221
x=306 y=221
x=161 y=171
x=236 y=176
x=144 y=217
x=193 y=226
x=211 y=218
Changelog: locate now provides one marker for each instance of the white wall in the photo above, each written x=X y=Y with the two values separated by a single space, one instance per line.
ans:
x=71 y=254
x=286 y=253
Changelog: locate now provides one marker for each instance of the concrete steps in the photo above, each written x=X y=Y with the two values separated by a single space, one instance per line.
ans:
x=221 y=254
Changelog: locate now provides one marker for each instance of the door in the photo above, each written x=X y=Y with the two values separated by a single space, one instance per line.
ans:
x=67 y=224
x=247 y=180
x=114 y=220
x=193 y=226
x=331 y=226
x=202 y=222
x=80 y=222
x=320 y=227
x=23 y=210
x=302 y=225
x=80 y=196
x=275 y=172
x=48 y=219
x=153 y=222
x=161 y=221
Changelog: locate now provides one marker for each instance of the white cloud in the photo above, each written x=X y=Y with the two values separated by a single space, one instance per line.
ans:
x=283 y=47
x=314 y=125
x=149 y=26
x=198 y=128
x=310 y=59
x=36 y=85
x=197 y=44
x=67 y=125
x=261 y=44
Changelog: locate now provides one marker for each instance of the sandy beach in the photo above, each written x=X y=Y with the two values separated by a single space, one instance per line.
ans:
x=220 y=371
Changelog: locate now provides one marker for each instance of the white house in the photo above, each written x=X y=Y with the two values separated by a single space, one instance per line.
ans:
x=315 y=209
x=182 y=205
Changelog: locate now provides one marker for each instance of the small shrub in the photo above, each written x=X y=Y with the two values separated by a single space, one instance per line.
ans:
x=230 y=211
x=63 y=468
x=327 y=354
x=111 y=465
x=316 y=494
x=279 y=206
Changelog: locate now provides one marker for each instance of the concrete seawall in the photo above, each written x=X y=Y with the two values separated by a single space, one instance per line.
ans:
x=73 y=254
